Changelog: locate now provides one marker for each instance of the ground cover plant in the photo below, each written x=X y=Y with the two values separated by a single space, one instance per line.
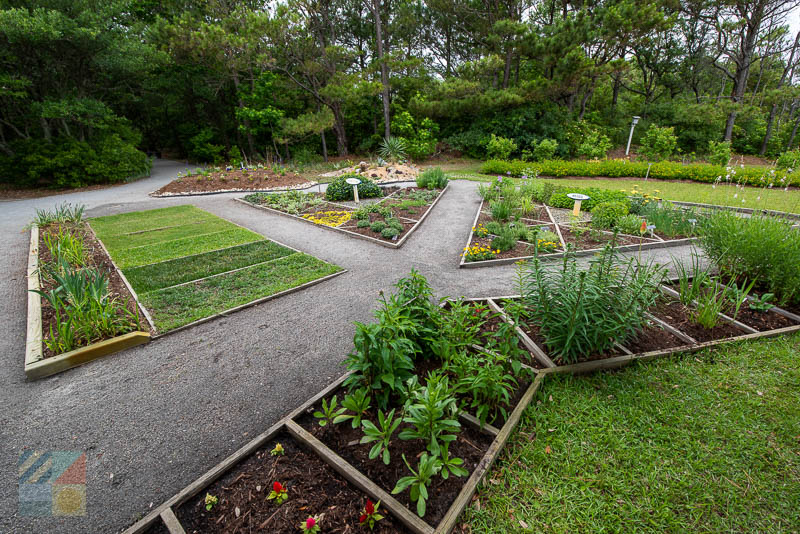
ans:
x=388 y=219
x=83 y=299
x=658 y=447
x=239 y=177
x=186 y=264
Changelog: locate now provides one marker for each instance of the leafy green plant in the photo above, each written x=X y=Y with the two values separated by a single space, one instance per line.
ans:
x=486 y=379
x=339 y=189
x=430 y=412
x=658 y=142
x=606 y=214
x=393 y=149
x=789 y=160
x=500 y=147
x=761 y=303
x=357 y=402
x=450 y=465
x=389 y=232
x=580 y=312
x=545 y=149
x=363 y=223
x=670 y=220
x=418 y=481
x=595 y=145
x=64 y=245
x=501 y=210
x=737 y=295
x=691 y=279
x=62 y=213
x=506 y=239
x=381 y=434
x=329 y=412
x=719 y=152
x=709 y=305
x=629 y=224
x=377 y=226
x=432 y=179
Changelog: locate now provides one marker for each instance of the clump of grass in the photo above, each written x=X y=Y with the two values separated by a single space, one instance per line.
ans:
x=61 y=213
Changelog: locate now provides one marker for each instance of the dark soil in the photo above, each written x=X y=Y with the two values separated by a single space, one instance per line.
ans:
x=588 y=241
x=254 y=180
x=98 y=259
x=532 y=218
x=157 y=528
x=678 y=315
x=313 y=488
x=653 y=337
x=762 y=321
x=470 y=445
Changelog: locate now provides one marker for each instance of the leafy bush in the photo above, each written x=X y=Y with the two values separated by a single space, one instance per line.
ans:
x=606 y=214
x=362 y=223
x=658 y=142
x=432 y=179
x=505 y=240
x=202 y=149
x=339 y=189
x=789 y=160
x=559 y=198
x=595 y=145
x=500 y=147
x=629 y=224
x=762 y=248
x=419 y=136
x=389 y=232
x=501 y=210
x=377 y=226
x=581 y=312
x=616 y=168
x=719 y=152
x=546 y=149
x=670 y=220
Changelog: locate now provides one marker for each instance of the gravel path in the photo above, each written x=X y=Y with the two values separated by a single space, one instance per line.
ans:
x=153 y=418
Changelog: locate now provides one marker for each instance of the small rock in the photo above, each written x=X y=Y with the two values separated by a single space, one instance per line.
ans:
x=238 y=512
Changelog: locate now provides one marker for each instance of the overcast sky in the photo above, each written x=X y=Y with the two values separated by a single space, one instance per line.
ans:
x=794 y=20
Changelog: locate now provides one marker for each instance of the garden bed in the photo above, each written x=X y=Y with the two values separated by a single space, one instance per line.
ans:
x=231 y=180
x=79 y=306
x=188 y=266
x=388 y=221
x=485 y=249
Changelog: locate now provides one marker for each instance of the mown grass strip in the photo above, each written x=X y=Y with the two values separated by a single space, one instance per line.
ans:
x=137 y=221
x=703 y=443
x=135 y=257
x=177 y=306
x=151 y=237
x=178 y=271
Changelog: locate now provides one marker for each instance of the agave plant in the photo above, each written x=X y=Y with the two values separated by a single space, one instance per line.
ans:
x=393 y=149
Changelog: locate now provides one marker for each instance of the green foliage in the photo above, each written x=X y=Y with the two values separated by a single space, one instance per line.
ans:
x=356 y=402
x=691 y=279
x=418 y=481
x=61 y=213
x=710 y=303
x=719 y=152
x=501 y=210
x=789 y=160
x=595 y=145
x=432 y=179
x=500 y=147
x=506 y=239
x=381 y=433
x=545 y=150
x=329 y=412
x=339 y=189
x=377 y=226
x=606 y=215
x=586 y=311
x=294 y=202
x=658 y=143
x=393 y=149
x=671 y=220
x=363 y=223
x=487 y=379
x=559 y=198
x=389 y=232
x=203 y=150
x=761 y=303
x=629 y=224
x=665 y=170
x=431 y=413
x=762 y=248
x=419 y=136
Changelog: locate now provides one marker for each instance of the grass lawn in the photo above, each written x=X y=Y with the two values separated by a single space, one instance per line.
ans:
x=723 y=195
x=704 y=443
x=169 y=254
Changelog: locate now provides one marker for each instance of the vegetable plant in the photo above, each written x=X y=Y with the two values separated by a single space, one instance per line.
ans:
x=418 y=481
x=381 y=434
x=356 y=402
x=762 y=303
x=450 y=465
x=431 y=413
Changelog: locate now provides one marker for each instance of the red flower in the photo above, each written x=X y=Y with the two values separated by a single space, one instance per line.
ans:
x=310 y=522
x=362 y=518
x=277 y=487
x=643 y=229
x=369 y=508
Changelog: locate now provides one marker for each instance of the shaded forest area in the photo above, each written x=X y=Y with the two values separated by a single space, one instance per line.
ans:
x=89 y=88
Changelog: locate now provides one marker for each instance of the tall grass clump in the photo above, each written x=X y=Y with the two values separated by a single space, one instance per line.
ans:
x=432 y=179
x=762 y=248
x=62 y=213
x=585 y=311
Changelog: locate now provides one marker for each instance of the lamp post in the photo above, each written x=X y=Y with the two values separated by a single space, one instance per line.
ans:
x=633 y=125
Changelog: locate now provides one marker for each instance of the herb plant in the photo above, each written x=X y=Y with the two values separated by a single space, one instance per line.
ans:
x=381 y=434
x=431 y=413
x=329 y=412
x=356 y=402
x=418 y=481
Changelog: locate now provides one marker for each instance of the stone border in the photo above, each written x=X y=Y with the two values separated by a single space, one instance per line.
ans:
x=387 y=244
x=36 y=366
x=297 y=187
x=463 y=264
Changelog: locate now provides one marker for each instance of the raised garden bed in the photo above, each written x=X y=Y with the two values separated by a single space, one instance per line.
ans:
x=232 y=180
x=68 y=324
x=482 y=250
x=187 y=266
x=387 y=221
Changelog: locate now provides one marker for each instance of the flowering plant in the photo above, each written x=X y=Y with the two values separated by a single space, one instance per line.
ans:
x=479 y=253
x=311 y=525
x=480 y=230
x=278 y=450
x=329 y=218
x=211 y=501
x=369 y=515
x=278 y=493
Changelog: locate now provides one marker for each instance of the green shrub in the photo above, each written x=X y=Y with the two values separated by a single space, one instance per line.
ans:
x=363 y=223
x=377 y=226
x=432 y=179
x=500 y=147
x=595 y=145
x=419 y=136
x=389 y=232
x=719 y=152
x=629 y=224
x=559 y=198
x=546 y=149
x=202 y=149
x=606 y=214
x=505 y=240
x=762 y=248
x=339 y=189
x=789 y=160
x=501 y=210
x=618 y=168
x=393 y=149
x=670 y=220
x=658 y=142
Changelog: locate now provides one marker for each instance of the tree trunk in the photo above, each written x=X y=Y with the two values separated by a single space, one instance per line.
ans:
x=338 y=128
x=376 y=13
x=250 y=142
x=324 y=147
x=507 y=68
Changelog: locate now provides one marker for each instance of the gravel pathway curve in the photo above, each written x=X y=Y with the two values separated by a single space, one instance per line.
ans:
x=155 y=417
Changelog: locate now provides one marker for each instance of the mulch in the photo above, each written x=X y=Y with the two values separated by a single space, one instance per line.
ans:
x=237 y=179
x=313 y=488
x=679 y=316
x=98 y=259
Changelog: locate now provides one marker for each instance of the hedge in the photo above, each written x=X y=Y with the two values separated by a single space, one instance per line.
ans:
x=665 y=170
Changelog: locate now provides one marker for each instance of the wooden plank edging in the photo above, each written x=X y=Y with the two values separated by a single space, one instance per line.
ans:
x=33 y=336
x=532 y=347
x=171 y=522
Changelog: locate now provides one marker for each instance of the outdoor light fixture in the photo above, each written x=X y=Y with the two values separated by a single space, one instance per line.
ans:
x=633 y=125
